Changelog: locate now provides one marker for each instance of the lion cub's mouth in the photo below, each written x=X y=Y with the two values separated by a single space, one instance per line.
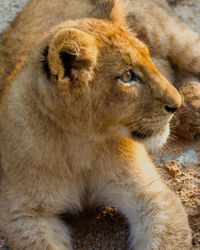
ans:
x=140 y=135
x=153 y=140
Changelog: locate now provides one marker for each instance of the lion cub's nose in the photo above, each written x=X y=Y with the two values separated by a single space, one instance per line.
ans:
x=169 y=96
x=172 y=99
x=171 y=109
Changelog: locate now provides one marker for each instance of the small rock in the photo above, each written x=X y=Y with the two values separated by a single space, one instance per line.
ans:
x=187 y=158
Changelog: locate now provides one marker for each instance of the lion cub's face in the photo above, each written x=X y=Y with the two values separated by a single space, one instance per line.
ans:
x=108 y=83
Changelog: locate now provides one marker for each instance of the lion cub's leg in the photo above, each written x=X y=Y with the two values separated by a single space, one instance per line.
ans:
x=130 y=182
x=27 y=227
x=35 y=232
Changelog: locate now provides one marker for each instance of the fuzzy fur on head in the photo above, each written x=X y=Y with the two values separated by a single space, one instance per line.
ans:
x=94 y=100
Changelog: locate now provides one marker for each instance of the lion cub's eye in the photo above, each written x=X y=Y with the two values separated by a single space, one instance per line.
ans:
x=128 y=78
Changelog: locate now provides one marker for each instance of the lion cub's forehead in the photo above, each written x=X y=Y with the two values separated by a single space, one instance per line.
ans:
x=108 y=33
x=111 y=35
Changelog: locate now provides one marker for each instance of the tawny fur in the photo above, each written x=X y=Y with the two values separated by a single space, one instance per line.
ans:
x=69 y=128
x=178 y=45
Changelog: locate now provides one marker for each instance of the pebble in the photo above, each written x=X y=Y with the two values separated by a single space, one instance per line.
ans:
x=189 y=157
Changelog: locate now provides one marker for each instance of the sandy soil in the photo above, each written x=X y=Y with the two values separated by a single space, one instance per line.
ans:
x=106 y=228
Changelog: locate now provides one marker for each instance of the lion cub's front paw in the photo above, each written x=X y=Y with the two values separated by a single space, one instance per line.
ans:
x=163 y=226
x=171 y=240
x=166 y=238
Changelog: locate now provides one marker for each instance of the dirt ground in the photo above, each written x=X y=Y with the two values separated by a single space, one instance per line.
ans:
x=106 y=228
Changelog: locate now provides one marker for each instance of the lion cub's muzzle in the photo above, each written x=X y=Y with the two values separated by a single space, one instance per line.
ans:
x=167 y=100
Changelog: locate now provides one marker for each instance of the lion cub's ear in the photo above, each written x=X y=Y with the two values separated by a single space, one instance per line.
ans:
x=71 y=55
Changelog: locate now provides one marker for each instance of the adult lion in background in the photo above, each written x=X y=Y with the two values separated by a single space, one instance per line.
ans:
x=75 y=114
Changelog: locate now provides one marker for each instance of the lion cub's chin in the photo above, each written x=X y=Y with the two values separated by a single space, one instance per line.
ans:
x=155 y=142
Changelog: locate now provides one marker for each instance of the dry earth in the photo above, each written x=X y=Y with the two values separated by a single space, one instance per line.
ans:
x=106 y=228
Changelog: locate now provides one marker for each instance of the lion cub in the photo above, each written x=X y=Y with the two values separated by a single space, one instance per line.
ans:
x=74 y=118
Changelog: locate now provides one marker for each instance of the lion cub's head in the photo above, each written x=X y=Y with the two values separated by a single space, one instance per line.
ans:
x=98 y=80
